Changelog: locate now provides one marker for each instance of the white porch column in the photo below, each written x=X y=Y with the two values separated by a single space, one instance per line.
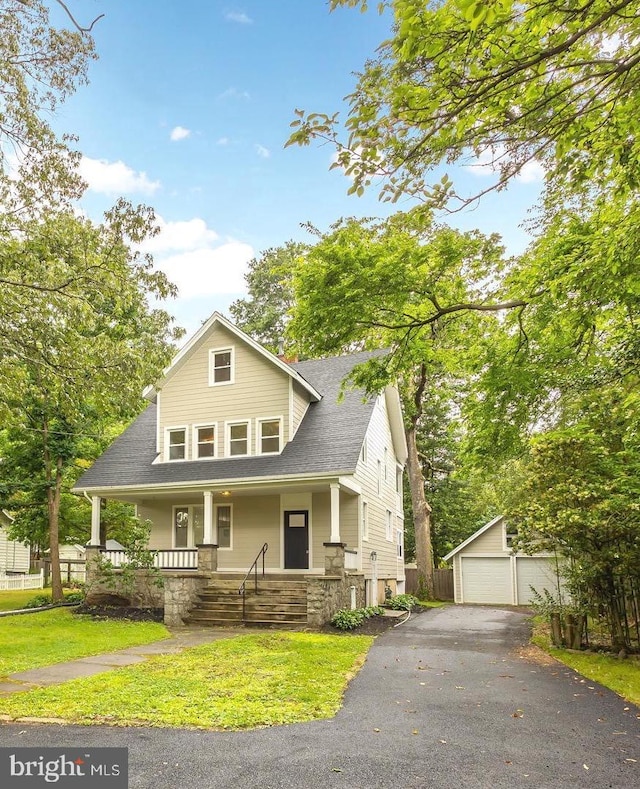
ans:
x=210 y=536
x=95 y=521
x=335 y=512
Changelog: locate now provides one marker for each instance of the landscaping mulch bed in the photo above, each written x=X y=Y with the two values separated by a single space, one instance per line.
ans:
x=372 y=626
x=122 y=612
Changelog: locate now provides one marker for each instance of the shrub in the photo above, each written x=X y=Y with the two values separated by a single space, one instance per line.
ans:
x=77 y=596
x=402 y=602
x=38 y=601
x=350 y=618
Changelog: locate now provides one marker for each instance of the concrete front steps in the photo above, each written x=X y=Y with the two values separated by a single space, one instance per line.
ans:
x=281 y=601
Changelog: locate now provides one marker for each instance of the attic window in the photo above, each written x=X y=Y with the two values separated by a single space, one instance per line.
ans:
x=510 y=535
x=220 y=366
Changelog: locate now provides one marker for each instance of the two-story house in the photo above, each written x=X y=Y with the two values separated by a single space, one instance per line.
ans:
x=239 y=449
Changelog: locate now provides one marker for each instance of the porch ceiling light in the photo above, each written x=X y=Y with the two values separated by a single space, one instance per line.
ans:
x=225 y=493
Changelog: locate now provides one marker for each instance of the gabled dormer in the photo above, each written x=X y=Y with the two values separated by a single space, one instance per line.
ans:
x=225 y=396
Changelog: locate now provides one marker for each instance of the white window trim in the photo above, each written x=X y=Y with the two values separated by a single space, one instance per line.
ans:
x=194 y=442
x=227 y=437
x=191 y=543
x=216 y=507
x=167 y=445
x=212 y=355
x=386 y=464
x=363 y=451
x=364 y=519
x=388 y=526
x=279 y=420
x=505 y=533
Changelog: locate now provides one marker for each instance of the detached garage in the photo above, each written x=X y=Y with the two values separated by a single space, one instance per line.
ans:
x=485 y=570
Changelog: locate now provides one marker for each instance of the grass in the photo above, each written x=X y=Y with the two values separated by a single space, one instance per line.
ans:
x=621 y=676
x=432 y=603
x=236 y=683
x=33 y=640
x=12 y=601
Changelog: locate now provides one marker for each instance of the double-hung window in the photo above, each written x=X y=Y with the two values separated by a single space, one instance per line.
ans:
x=205 y=441
x=364 y=516
x=238 y=439
x=269 y=436
x=176 y=443
x=389 y=525
x=220 y=366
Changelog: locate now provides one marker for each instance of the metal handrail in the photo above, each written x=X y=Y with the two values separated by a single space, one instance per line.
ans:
x=254 y=567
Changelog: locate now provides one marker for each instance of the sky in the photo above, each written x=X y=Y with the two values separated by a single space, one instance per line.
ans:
x=188 y=110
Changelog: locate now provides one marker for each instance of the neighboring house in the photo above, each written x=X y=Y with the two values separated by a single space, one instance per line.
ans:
x=73 y=557
x=485 y=569
x=240 y=448
x=15 y=556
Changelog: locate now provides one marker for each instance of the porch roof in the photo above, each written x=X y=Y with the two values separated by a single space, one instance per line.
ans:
x=328 y=440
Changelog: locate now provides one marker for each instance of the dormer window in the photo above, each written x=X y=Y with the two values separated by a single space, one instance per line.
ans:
x=176 y=443
x=220 y=366
x=205 y=441
x=269 y=431
x=237 y=439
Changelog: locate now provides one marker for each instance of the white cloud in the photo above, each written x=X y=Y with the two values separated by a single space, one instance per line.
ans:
x=265 y=153
x=115 y=177
x=180 y=236
x=179 y=133
x=238 y=16
x=234 y=93
x=193 y=257
x=223 y=141
x=207 y=271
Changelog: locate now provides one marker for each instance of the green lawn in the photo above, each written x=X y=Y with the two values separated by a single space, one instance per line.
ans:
x=621 y=676
x=12 y=601
x=260 y=679
x=32 y=640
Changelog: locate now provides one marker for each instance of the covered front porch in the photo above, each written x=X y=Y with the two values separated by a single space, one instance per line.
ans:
x=207 y=542
x=310 y=528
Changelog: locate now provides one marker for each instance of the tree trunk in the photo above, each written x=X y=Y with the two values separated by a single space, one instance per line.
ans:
x=54 y=483
x=421 y=516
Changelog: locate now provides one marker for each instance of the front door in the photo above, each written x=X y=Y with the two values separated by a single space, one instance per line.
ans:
x=296 y=540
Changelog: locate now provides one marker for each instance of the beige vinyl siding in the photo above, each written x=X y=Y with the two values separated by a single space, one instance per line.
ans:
x=256 y=520
x=488 y=543
x=457 y=579
x=161 y=516
x=321 y=514
x=300 y=405
x=378 y=438
x=259 y=390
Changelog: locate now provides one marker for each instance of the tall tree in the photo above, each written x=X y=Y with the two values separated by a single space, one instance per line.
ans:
x=514 y=82
x=41 y=64
x=79 y=339
x=264 y=315
x=416 y=289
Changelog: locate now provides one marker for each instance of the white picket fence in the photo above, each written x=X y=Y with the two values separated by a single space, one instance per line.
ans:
x=13 y=582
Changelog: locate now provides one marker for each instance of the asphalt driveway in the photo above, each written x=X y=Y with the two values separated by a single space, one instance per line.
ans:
x=452 y=698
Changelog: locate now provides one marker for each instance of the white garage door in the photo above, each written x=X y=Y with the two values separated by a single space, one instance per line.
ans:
x=537 y=572
x=486 y=580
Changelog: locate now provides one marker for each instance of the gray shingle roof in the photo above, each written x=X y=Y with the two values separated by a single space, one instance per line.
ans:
x=328 y=440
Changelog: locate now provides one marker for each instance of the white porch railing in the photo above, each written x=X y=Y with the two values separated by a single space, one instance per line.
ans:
x=350 y=559
x=13 y=582
x=174 y=559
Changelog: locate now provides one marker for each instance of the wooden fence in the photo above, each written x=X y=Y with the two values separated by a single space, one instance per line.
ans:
x=442 y=582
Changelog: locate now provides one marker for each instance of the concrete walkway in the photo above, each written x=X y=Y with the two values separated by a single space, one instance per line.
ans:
x=98 y=664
